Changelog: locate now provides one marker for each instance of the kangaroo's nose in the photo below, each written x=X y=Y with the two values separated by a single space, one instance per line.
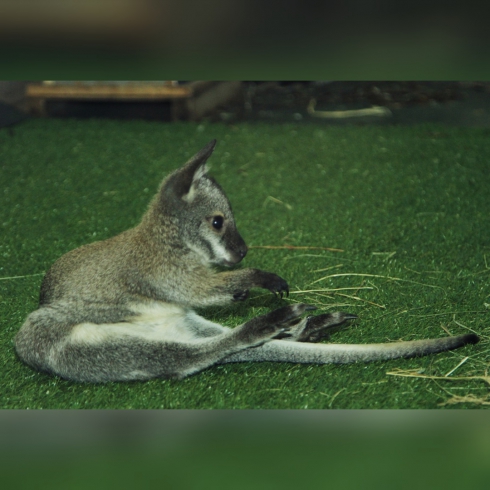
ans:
x=243 y=251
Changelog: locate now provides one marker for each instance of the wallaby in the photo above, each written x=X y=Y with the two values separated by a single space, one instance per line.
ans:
x=121 y=309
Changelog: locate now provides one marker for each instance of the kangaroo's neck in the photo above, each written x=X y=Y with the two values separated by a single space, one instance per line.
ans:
x=160 y=227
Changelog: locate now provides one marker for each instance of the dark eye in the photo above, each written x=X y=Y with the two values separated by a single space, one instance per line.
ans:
x=217 y=222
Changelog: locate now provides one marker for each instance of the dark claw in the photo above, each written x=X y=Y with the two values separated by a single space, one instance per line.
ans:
x=240 y=295
x=279 y=288
x=274 y=283
x=350 y=316
x=310 y=308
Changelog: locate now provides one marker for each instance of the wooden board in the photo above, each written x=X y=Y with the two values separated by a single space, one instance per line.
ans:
x=190 y=102
x=108 y=91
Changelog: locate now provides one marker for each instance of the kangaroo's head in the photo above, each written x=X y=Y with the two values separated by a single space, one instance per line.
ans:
x=202 y=211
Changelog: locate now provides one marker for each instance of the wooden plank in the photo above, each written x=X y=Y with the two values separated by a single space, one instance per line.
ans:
x=108 y=91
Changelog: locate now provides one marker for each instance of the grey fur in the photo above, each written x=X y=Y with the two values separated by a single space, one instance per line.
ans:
x=121 y=309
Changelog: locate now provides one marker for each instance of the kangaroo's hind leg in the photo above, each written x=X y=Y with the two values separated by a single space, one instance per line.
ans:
x=322 y=326
x=195 y=356
x=317 y=328
x=158 y=342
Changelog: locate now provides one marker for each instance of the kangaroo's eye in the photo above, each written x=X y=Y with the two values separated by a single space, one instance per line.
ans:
x=217 y=222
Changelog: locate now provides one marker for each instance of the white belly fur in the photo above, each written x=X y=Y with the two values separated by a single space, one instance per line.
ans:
x=154 y=322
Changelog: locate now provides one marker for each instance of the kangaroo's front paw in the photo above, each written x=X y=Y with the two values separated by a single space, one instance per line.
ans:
x=275 y=284
x=322 y=326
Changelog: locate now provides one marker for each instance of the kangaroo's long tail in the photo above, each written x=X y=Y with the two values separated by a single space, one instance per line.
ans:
x=302 y=352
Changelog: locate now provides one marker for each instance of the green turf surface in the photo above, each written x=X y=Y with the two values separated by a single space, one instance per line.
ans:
x=409 y=206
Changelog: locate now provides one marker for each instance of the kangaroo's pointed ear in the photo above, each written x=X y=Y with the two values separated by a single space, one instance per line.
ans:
x=179 y=184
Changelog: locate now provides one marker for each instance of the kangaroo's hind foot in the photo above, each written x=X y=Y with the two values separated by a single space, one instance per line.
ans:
x=317 y=328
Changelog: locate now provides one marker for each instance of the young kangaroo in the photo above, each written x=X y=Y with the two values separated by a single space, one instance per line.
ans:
x=120 y=309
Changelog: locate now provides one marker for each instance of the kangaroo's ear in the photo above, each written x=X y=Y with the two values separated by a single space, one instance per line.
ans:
x=179 y=184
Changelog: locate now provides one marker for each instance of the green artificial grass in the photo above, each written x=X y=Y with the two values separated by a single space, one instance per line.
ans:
x=409 y=206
